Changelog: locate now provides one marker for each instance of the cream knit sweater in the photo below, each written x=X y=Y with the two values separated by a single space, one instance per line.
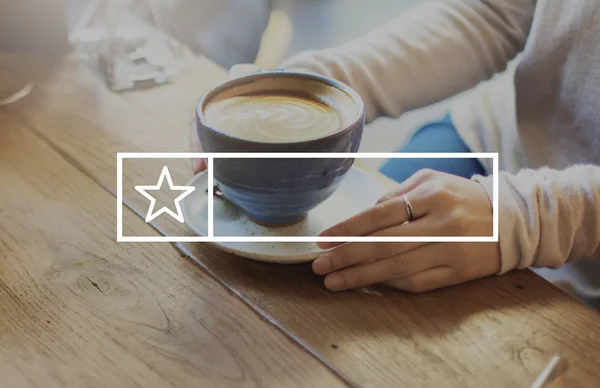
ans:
x=543 y=117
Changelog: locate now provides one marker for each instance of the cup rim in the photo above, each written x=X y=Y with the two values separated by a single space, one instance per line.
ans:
x=206 y=98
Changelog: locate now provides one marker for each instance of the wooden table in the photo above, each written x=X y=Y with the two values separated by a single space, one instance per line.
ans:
x=78 y=309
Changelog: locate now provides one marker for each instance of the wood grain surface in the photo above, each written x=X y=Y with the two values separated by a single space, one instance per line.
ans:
x=79 y=310
x=499 y=331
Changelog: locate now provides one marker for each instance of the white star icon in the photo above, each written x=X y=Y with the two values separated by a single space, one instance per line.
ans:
x=151 y=214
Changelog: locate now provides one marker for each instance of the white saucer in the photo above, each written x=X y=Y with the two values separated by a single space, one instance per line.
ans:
x=356 y=193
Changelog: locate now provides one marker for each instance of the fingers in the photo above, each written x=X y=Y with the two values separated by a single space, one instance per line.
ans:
x=386 y=214
x=352 y=254
x=427 y=280
x=410 y=184
x=390 y=210
x=243 y=70
x=396 y=267
x=198 y=165
x=421 y=227
x=442 y=205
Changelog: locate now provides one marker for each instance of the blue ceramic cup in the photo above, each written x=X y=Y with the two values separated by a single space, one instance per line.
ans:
x=280 y=191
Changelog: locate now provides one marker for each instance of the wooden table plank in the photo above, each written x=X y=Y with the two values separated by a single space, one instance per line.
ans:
x=499 y=331
x=78 y=309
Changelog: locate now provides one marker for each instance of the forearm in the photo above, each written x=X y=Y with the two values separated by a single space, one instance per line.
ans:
x=548 y=217
x=428 y=54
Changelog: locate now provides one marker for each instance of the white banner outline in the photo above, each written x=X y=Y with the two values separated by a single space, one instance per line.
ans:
x=273 y=239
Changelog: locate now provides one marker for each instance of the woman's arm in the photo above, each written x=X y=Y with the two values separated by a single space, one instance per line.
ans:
x=432 y=52
x=548 y=217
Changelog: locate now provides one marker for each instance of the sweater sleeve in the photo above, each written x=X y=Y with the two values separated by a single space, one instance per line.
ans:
x=436 y=50
x=547 y=217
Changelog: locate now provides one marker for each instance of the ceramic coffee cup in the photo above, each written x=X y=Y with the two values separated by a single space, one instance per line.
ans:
x=280 y=112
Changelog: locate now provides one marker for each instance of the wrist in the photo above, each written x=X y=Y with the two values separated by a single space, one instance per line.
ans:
x=507 y=242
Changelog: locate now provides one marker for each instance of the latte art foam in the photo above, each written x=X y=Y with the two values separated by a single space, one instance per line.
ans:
x=273 y=118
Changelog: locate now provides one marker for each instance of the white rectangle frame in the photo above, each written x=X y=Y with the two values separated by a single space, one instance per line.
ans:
x=271 y=239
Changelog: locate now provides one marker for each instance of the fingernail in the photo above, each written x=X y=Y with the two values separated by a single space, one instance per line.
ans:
x=322 y=265
x=335 y=282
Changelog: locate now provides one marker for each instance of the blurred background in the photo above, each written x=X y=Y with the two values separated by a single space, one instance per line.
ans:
x=227 y=32
x=231 y=31
x=265 y=32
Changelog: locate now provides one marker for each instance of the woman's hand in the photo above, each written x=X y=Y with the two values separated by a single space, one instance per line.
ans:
x=236 y=71
x=442 y=205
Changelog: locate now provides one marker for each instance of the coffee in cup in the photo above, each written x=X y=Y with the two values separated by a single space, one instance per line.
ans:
x=280 y=112
x=274 y=118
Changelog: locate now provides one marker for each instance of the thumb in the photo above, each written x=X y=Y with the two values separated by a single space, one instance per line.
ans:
x=198 y=165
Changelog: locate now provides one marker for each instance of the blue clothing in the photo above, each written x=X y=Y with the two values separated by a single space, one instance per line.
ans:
x=438 y=136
